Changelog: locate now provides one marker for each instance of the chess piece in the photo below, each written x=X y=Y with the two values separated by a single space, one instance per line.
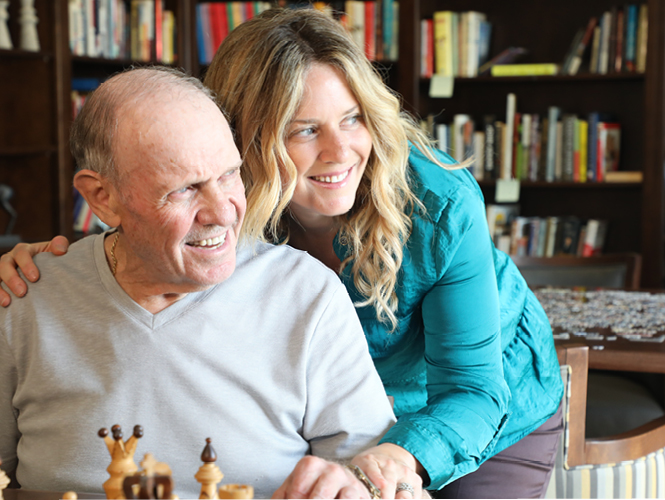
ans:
x=5 y=39
x=4 y=480
x=209 y=474
x=122 y=458
x=69 y=495
x=28 y=20
x=153 y=481
x=236 y=491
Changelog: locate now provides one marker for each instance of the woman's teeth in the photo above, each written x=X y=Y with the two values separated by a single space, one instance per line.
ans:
x=210 y=242
x=333 y=179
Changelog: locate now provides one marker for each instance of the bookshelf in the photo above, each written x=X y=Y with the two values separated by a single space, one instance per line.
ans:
x=635 y=211
x=36 y=112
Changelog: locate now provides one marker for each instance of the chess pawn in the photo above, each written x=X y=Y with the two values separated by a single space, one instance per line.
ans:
x=122 y=459
x=5 y=39
x=236 y=491
x=69 y=495
x=209 y=474
x=28 y=20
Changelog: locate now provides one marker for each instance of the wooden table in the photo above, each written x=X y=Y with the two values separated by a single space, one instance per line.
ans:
x=620 y=354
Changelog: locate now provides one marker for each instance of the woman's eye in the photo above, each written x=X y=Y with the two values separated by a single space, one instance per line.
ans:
x=304 y=132
x=352 y=120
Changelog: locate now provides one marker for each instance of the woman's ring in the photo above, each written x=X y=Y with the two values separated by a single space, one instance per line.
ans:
x=405 y=487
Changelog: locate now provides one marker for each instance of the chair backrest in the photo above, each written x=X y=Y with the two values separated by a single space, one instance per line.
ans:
x=620 y=270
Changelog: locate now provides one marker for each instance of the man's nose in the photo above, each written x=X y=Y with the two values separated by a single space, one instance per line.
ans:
x=335 y=147
x=218 y=209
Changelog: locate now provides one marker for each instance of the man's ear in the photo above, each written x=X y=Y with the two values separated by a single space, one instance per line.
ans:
x=100 y=195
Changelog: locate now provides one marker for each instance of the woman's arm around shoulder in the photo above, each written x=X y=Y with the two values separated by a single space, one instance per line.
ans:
x=21 y=256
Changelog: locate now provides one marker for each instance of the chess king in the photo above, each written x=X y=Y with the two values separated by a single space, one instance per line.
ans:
x=173 y=320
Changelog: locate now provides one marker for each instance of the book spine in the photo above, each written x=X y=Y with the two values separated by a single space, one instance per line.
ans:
x=490 y=146
x=642 y=35
x=507 y=160
x=552 y=118
x=595 y=48
x=631 y=37
x=583 y=150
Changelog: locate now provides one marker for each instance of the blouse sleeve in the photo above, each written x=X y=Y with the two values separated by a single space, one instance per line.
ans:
x=467 y=396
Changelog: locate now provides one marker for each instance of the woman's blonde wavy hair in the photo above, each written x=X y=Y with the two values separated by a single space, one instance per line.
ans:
x=258 y=74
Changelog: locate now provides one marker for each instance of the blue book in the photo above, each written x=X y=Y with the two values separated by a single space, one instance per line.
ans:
x=203 y=33
x=631 y=37
x=552 y=118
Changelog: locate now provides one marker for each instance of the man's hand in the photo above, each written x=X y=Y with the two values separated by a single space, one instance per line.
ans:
x=387 y=465
x=21 y=255
x=314 y=477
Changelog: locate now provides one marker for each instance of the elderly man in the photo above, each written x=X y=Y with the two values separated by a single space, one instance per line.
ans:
x=164 y=323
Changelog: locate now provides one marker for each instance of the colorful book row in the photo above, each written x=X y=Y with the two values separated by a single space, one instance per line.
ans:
x=454 y=43
x=617 y=42
x=559 y=147
x=374 y=26
x=215 y=20
x=139 y=30
x=544 y=236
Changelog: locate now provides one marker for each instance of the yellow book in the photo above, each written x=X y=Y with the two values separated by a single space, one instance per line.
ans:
x=443 y=43
x=525 y=69
x=584 y=134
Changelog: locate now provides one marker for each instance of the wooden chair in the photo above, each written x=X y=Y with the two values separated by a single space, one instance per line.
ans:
x=628 y=465
x=620 y=270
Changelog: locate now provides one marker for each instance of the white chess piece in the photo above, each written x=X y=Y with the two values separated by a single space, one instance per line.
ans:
x=5 y=40
x=28 y=20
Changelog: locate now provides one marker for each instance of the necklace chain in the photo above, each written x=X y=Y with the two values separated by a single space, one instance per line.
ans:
x=114 y=261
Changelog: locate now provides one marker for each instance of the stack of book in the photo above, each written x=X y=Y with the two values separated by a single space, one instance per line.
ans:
x=454 y=43
x=559 y=147
x=544 y=236
x=374 y=25
x=615 y=42
x=140 y=30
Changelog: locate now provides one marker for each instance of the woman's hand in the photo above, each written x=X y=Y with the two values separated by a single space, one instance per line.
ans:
x=314 y=477
x=21 y=255
x=387 y=465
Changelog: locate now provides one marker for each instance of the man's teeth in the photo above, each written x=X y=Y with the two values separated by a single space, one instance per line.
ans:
x=210 y=242
x=334 y=178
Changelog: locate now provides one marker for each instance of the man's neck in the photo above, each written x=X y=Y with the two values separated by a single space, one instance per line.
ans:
x=151 y=297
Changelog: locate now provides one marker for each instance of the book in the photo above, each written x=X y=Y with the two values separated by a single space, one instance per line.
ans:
x=583 y=150
x=507 y=56
x=499 y=218
x=507 y=160
x=489 y=126
x=629 y=60
x=524 y=69
x=618 y=54
x=577 y=39
x=552 y=119
x=570 y=232
x=478 y=166
x=551 y=235
x=624 y=176
x=603 y=53
x=443 y=43
x=568 y=146
x=426 y=48
x=590 y=237
x=642 y=34
x=595 y=48
x=370 y=31
x=578 y=53
x=609 y=148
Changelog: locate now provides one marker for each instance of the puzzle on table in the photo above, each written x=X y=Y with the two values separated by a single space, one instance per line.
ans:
x=154 y=479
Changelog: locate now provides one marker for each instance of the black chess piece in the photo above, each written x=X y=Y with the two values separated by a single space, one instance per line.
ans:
x=8 y=239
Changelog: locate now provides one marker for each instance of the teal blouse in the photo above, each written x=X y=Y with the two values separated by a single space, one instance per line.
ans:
x=472 y=364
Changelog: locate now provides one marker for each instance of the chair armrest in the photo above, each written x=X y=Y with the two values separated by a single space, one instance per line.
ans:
x=577 y=357
x=629 y=445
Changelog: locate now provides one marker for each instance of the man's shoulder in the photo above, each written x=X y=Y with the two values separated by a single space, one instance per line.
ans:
x=78 y=256
x=283 y=258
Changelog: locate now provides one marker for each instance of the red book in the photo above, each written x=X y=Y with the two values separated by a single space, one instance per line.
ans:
x=249 y=10
x=223 y=20
x=618 y=58
x=370 y=30
x=215 y=28
x=159 y=46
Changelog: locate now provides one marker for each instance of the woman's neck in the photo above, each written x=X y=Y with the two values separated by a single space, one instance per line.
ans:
x=318 y=242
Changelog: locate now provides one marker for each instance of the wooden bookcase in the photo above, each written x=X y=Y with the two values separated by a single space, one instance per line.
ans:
x=35 y=112
x=635 y=211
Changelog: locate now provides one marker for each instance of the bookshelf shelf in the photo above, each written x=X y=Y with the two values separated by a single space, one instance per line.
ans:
x=25 y=54
x=570 y=185
x=587 y=77
x=17 y=153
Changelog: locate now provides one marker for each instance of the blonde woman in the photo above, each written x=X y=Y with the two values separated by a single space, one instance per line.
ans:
x=332 y=167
